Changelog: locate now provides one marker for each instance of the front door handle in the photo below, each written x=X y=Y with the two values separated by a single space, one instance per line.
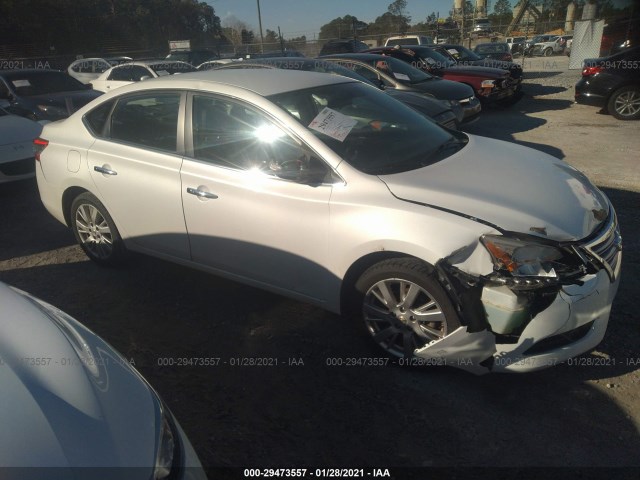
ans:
x=201 y=193
x=105 y=170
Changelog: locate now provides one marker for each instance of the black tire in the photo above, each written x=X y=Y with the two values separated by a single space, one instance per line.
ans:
x=417 y=312
x=547 y=52
x=624 y=103
x=95 y=231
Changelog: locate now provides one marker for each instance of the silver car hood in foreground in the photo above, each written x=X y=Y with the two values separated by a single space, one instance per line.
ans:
x=513 y=187
x=62 y=395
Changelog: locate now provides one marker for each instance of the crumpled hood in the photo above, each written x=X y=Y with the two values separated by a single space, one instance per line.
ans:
x=58 y=410
x=513 y=187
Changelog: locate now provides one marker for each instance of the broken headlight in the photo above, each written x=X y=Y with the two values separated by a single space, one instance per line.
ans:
x=531 y=263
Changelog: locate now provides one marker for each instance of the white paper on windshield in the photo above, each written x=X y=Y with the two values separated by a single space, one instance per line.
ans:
x=333 y=123
x=453 y=51
x=21 y=83
x=162 y=73
x=401 y=76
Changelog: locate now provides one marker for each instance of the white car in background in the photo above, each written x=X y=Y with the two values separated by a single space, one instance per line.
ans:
x=16 y=145
x=87 y=70
x=449 y=248
x=132 y=72
x=73 y=407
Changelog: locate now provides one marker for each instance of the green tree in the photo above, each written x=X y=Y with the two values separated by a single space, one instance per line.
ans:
x=271 y=36
x=341 y=27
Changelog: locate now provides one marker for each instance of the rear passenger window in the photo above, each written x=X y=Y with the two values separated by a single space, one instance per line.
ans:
x=148 y=120
x=96 y=119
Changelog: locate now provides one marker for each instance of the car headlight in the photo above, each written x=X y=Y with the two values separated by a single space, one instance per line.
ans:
x=166 y=456
x=488 y=83
x=531 y=263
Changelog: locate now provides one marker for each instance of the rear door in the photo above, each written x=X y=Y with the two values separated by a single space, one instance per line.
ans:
x=135 y=166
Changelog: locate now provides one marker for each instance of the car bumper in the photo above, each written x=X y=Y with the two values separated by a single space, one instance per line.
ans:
x=14 y=170
x=585 y=94
x=471 y=109
x=572 y=325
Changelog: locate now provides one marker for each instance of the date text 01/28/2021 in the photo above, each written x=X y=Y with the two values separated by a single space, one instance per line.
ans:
x=317 y=472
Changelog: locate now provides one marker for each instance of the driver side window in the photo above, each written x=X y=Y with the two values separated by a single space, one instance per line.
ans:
x=229 y=134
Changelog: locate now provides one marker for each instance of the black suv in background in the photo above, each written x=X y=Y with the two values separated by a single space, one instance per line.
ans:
x=343 y=46
x=612 y=83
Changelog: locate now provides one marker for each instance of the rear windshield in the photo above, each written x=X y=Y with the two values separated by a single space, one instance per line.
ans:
x=401 y=71
x=41 y=82
x=171 y=68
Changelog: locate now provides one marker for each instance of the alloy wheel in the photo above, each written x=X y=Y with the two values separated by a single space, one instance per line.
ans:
x=93 y=231
x=627 y=104
x=402 y=316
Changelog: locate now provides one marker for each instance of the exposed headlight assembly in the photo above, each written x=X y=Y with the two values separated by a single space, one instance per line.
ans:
x=531 y=264
x=488 y=83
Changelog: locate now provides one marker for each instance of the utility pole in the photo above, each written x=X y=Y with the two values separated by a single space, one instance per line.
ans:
x=281 y=40
x=260 y=24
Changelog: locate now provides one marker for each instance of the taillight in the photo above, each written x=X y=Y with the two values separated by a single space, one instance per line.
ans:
x=588 y=71
x=39 y=144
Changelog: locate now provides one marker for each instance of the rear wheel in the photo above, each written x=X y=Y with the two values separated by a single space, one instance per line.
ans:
x=403 y=306
x=547 y=52
x=624 y=104
x=95 y=231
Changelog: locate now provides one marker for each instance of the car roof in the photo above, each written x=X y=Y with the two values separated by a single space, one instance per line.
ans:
x=23 y=71
x=363 y=57
x=264 y=82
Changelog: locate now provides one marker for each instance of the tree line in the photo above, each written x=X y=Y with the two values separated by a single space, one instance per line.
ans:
x=72 y=26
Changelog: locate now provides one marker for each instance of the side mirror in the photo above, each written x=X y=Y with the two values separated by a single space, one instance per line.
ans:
x=144 y=77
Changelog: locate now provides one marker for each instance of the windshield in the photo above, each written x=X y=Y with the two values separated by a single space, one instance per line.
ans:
x=462 y=53
x=41 y=82
x=433 y=57
x=401 y=71
x=170 y=68
x=368 y=129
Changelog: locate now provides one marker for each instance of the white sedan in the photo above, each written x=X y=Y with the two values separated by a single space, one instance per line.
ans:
x=132 y=72
x=71 y=404
x=451 y=249
x=16 y=146
x=87 y=70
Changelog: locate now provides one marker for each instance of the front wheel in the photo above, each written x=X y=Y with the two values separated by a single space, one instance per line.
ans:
x=95 y=231
x=403 y=306
x=624 y=104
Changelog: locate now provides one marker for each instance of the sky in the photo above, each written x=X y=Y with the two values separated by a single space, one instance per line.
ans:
x=305 y=17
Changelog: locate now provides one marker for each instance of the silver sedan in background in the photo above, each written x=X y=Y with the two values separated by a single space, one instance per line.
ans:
x=73 y=407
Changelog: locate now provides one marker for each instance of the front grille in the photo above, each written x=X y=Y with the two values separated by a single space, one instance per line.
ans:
x=558 y=341
x=18 y=167
x=606 y=248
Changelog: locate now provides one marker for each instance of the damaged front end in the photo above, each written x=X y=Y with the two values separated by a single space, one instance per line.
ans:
x=543 y=303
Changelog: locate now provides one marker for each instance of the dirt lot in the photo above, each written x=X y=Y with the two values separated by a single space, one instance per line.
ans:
x=303 y=412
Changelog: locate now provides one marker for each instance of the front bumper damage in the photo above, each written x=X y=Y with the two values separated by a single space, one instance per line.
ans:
x=507 y=329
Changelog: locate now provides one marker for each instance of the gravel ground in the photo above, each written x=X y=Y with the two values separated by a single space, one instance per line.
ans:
x=305 y=413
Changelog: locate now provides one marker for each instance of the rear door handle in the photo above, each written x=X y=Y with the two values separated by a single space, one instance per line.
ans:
x=105 y=170
x=201 y=193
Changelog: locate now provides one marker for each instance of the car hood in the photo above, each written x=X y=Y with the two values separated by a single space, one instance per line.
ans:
x=474 y=71
x=68 y=399
x=430 y=106
x=513 y=187
x=15 y=129
x=442 y=89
